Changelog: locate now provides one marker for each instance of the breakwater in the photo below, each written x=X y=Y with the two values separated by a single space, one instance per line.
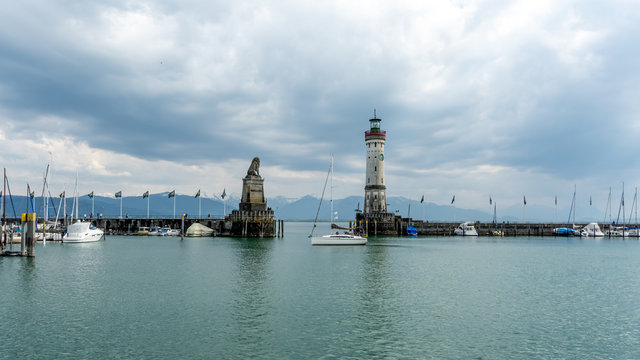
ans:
x=221 y=227
x=425 y=228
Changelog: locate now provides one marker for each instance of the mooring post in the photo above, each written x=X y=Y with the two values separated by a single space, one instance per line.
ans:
x=182 y=227
x=282 y=226
x=31 y=234
x=23 y=236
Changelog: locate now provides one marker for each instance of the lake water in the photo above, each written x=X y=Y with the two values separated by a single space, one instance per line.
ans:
x=223 y=298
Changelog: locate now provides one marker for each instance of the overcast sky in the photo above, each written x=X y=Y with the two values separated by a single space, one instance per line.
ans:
x=478 y=98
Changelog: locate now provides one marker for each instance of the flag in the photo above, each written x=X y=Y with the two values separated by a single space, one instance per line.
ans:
x=118 y=194
x=0 y=193
x=422 y=200
x=90 y=195
x=198 y=193
x=172 y=194
x=146 y=194
x=590 y=203
x=453 y=199
x=62 y=194
x=224 y=193
x=525 y=200
x=490 y=200
x=33 y=193
x=556 y=199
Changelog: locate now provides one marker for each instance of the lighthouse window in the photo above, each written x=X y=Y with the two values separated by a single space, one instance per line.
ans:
x=375 y=168
x=368 y=180
x=375 y=197
x=375 y=144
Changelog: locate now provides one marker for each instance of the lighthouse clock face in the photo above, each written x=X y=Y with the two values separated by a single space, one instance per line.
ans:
x=381 y=157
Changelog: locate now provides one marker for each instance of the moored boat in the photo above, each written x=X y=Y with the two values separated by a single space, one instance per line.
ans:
x=466 y=229
x=199 y=230
x=82 y=232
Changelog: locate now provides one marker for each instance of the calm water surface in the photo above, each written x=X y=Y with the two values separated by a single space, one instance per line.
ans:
x=441 y=298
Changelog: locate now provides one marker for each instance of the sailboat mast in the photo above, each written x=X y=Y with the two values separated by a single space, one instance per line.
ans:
x=331 y=189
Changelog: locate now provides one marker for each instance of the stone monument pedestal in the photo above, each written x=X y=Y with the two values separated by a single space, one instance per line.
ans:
x=253 y=218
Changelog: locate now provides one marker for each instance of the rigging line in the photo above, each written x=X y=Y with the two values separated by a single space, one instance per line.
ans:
x=320 y=205
x=44 y=185
x=11 y=198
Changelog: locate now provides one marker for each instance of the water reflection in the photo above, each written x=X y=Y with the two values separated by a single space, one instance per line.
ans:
x=28 y=276
x=375 y=321
x=251 y=309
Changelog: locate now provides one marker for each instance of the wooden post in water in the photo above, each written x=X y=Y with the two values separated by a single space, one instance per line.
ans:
x=182 y=227
x=282 y=227
x=31 y=234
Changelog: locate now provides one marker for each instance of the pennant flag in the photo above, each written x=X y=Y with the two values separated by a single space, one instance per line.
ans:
x=454 y=199
x=62 y=194
x=590 y=200
x=490 y=200
x=556 y=199
x=90 y=195
x=525 y=200
x=0 y=193
x=172 y=194
x=198 y=193
x=118 y=194
x=224 y=193
x=422 y=200
x=146 y=194
x=33 y=193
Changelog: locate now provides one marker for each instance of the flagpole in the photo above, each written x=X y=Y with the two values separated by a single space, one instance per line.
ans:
x=120 y=205
x=199 y=207
x=174 y=205
x=93 y=210
x=148 y=206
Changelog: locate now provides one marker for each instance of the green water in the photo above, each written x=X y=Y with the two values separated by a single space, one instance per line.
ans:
x=222 y=298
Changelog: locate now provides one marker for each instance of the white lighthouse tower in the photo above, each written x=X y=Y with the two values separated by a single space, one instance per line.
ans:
x=375 y=199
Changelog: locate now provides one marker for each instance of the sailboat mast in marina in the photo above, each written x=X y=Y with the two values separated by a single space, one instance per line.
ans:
x=347 y=237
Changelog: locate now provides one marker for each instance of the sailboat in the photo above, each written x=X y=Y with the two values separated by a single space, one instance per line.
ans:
x=347 y=237
x=81 y=231
x=569 y=231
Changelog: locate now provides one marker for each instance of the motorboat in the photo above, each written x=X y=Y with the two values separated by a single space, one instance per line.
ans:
x=155 y=231
x=82 y=232
x=592 y=229
x=197 y=229
x=466 y=229
x=167 y=231
x=143 y=231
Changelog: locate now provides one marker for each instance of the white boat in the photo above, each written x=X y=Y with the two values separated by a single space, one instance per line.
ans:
x=143 y=231
x=197 y=229
x=154 y=231
x=592 y=229
x=167 y=231
x=82 y=232
x=345 y=238
x=348 y=237
x=466 y=229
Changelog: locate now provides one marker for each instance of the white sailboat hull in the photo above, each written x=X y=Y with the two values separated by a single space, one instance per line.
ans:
x=339 y=239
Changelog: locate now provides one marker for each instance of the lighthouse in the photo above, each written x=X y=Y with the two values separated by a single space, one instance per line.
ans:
x=375 y=199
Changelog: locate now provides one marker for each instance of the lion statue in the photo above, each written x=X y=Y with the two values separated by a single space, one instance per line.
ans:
x=254 y=169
